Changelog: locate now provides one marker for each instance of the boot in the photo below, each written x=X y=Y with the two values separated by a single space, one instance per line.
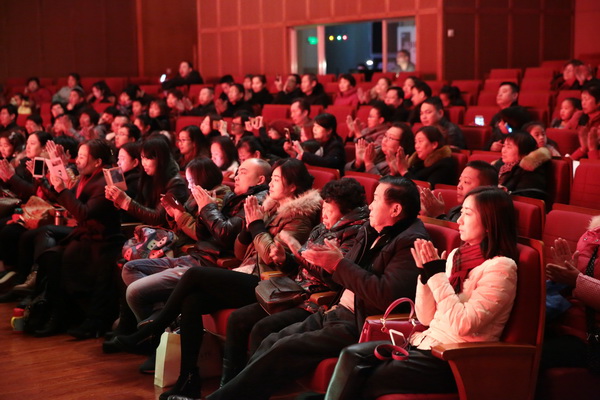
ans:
x=126 y=323
x=52 y=327
x=28 y=285
x=187 y=385
x=90 y=328
x=230 y=371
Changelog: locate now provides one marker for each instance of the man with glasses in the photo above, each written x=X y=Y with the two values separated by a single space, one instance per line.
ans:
x=398 y=136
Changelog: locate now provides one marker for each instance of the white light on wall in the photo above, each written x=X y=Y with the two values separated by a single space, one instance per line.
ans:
x=369 y=62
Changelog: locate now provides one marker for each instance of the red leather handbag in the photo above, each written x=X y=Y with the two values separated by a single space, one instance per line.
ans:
x=379 y=329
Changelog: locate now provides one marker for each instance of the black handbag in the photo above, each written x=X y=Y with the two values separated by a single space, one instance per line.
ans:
x=279 y=293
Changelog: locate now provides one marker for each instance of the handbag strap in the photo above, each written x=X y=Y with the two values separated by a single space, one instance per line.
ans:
x=395 y=304
x=389 y=351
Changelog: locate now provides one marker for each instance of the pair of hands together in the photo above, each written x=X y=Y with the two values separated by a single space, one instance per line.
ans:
x=565 y=269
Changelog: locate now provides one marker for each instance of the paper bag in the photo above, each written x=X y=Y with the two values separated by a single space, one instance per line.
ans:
x=168 y=358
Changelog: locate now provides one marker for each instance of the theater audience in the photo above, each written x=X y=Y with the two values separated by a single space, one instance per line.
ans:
x=432 y=160
x=377 y=124
x=394 y=98
x=36 y=93
x=510 y=119
x=377 y=92
x=292 y=208
x=158 y=111
x=101 y=93
x=62 y=95
x=313 y=91
x=206 y=104
x=419 y=93
x=538 y=131
x=8 y=118
x=451 y=97
x=344 y=213
x=466 y=298
x=12 y=146
x=224 y=154
x=377 y=270
x=260 y=93
x=288 y=91
x=191 y=144
x=347 y=94
x=569 y=114
x=235 y=102
x=588 y=134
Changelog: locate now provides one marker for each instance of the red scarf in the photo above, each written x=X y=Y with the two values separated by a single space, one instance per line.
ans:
x=84 y=180
x=465 y=259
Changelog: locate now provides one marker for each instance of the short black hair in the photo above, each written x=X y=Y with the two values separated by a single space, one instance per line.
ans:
x=226 y=79
x=434 y=101
x=294 y=172
x=134 y=131
x=205 y=172
x=513 y=86
x=488 y=174
x=421 y=86
x=524 y=141
x=398 y=90
x=347 y=193
x=384 y=110
x=349 y=78
x=12 y=110
x=405 y=192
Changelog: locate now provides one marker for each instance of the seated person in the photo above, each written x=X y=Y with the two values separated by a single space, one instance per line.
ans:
x=192 y=144
x=260 y=93
x=508 y=120
x=187 y=76
x=238 y=126
x=569 y=114
x=523 y=168
x=62 y=95
x=432 y=160
x=395 y=99
x=160 y=176
x=419 y=92
x=347 y=94
x=250 y=147
x=451 y=97
x=299 y=114
x=331 y=153
x=291 y=208
x=432 y=114
x=377 y=124
x=274 y=136
x=8 y=119
x=288 y=91
x=235 y=102
x=507 y=97
x=588 y=134
x=344 y=213
x=224 y=154
x=313 y=91
x=36 y=93
x=375 y=272
x=178 y=104
x=476 y=173
x=377 y=92
x=538 y=131
x=568 y=334
x=466 y=298
x=383 y=161
x=403 y=63
x=206 y=103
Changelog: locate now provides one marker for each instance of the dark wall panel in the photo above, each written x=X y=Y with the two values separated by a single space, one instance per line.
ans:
x=208 y=14
x=557 y=47
x=460 y=50
x=526 y=40
x=493 y=41
x=427 y=40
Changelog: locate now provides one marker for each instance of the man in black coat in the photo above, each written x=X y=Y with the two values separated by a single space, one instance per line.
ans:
x=376 y=271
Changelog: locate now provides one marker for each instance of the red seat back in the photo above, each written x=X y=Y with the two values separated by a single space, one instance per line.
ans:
x=323 y=175
x=272 y=112
x=368 y=181
x=566 y=139
x=182 y=122
x=529 y=220
x=566 y=222
x=487 y=156
x=586 y=185
x=476 y=137
x=562 y=181
x=487 y=112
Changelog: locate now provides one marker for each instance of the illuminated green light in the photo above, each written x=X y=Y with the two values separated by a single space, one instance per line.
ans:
x=312 y=40
x=339 y=37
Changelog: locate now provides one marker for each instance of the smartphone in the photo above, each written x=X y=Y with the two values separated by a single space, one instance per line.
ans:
x=288 y=135
x=397 y=338
x=163 y=78
x=479 y=120
x=39 y=167
x=508 y=128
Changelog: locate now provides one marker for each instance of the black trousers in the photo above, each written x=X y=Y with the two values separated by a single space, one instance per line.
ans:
x=360 y=375
x=248 y=326
x=292 y=353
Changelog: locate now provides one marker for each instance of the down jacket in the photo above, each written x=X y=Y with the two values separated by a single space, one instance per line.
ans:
x=477 y=314
x=297 y=217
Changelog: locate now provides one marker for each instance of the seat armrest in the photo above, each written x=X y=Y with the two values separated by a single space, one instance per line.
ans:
x=322 y=299
x=491 y=370
x=228 y=262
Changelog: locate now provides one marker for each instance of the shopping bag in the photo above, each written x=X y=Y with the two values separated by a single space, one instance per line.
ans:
x=168 y=358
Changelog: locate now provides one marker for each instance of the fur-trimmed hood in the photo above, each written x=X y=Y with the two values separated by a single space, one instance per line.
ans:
x=536 y=158
x=305 y=205
x=437 y=155
x=594 y=223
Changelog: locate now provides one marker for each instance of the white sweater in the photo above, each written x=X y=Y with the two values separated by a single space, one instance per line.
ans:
x=477 y=314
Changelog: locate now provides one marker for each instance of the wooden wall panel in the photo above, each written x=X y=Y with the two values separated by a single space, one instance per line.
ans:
x=250 y=12
x=427 y=39
x=428 y=4
x=558 y=47
x=272 y=11
x=230 y=54
x=587 y=27
x=527 y=4
x=251 y=44
x=345 y=8
x=525 y=40
x=372 y=7
x=50 y=38
x=210 y=63
x=460 y=50
x=228 y=13
x=208 y=14
x=169 y=34
x=276 y=53
x=493 y=41
x=296 y=10
x=319 y=9
x=407 y=6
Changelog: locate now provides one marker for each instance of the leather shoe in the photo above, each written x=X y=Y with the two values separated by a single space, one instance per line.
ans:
x=51 y=327
x=90 y=328
x=149 y=366
x=187 y=386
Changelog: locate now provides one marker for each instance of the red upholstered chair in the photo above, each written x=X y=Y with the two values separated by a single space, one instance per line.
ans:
x=488 y=156
x=476 y=137
x=152 y=90
x=535 y=83
x=182 y=122
x=539 y=73
x=557 y=65
x=448 y=193
x=315 y=110
x=456 y=114
x=100 y=107
x=368 y=181
x=322 y=175
x=568 y=222
x=272 y=112
x=323 y=79
x=487 y=112
x=390 y=75
x=462 y=158
x=436 y=86
x=487 y=98
x=566 y=139
x=363 y=113
x=505 y=73
x=529 y=220
x=341 y=113
x=562 y=181
x=350 y=149
x=494 y=83
x=472 y=86
x=507 y=369
x=586 y=185
x=443 y=234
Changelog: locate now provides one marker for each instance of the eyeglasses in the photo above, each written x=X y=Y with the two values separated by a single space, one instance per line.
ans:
x=183 y=140
x=235 y=124
x=388 y=137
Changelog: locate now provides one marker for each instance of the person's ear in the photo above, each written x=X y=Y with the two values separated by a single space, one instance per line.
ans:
x=261 y=180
